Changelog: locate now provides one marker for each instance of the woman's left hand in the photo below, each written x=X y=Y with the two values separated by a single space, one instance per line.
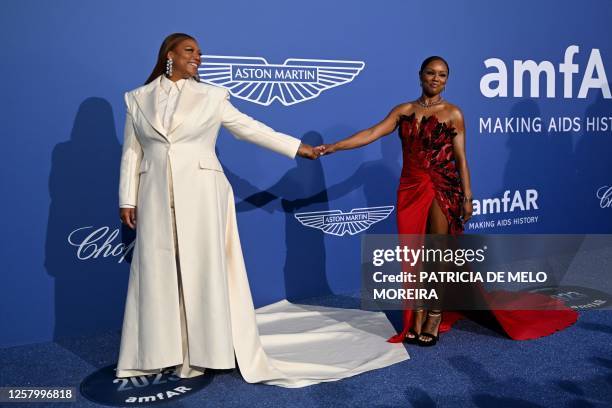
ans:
x=468 y=208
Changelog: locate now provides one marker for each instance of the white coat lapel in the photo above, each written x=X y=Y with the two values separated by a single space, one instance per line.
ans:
x=147 y=101
x=188 y=100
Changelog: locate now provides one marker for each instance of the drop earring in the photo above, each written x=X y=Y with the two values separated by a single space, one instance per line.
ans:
x=169 y=67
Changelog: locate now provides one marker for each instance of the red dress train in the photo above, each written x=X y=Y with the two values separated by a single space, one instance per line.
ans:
x=429 y=173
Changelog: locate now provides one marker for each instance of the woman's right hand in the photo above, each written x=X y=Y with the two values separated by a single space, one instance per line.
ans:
x=128 y=217
x=325 y=149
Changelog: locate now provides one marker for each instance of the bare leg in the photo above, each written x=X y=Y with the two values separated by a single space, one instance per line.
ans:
x=436 y=220
x=437 y=224
x=419 y=318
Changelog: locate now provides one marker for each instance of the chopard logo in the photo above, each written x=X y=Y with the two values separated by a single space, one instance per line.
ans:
x=91 y=243
x=604 y=194
x=294 y=81
x=336 y=222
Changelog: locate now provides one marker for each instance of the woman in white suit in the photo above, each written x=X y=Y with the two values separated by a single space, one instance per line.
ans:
x=189 y=303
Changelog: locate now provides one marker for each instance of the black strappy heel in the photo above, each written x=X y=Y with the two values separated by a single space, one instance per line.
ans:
x=415 y=336
x=432 y=339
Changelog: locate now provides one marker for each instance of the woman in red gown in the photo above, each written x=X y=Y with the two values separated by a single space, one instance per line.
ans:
x=435 y=197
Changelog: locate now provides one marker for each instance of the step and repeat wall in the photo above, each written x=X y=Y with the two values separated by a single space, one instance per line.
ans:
x=530 y=77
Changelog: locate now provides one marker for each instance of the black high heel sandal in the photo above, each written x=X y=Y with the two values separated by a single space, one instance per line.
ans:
x=415 y=336
x=411 y=340
x=432 y=339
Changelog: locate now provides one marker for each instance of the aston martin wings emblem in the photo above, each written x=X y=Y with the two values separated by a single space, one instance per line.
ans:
x=294 y=81
x=339 y=223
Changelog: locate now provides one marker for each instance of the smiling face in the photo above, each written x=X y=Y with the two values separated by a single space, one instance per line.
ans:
x=185 y=59
x=434 y=77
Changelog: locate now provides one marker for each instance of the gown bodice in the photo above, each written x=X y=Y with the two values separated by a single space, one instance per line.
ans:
x=429 y=160
x=427 y=144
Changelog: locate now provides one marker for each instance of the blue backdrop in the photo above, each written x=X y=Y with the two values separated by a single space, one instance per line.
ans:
x=66 y=64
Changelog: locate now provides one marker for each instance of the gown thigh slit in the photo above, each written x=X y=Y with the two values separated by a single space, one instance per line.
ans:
x=437 y=218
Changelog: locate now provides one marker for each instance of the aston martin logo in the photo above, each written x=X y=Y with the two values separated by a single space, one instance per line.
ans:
x=339 y=223
x=294 y=81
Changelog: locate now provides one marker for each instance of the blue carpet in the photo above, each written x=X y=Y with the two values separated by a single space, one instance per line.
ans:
x=472 y=366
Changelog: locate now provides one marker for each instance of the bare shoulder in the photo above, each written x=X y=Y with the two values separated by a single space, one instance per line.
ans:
x=454 y=116
x=406 y=108
x=454 y=112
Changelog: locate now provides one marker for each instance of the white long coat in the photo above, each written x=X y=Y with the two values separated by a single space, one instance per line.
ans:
x=215 y=285
x=284 y=344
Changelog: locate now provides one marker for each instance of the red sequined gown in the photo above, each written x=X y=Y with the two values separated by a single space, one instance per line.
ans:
x=429 y=173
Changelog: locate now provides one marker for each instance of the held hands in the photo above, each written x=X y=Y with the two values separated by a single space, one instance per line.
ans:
x=128 y=217
x=325 y=149
x=308 y=152
x=313 y=153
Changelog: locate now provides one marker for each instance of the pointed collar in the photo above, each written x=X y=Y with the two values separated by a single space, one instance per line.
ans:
x=166 y=84
x=187 y=102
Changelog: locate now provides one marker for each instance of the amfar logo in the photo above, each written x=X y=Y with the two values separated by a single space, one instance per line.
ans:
x=604 y=194
x=576 y=297
x=511 y=202
x=294 y=81
x=104 y=388
x=336 y=222
x=520 y=201
x=495 y=84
